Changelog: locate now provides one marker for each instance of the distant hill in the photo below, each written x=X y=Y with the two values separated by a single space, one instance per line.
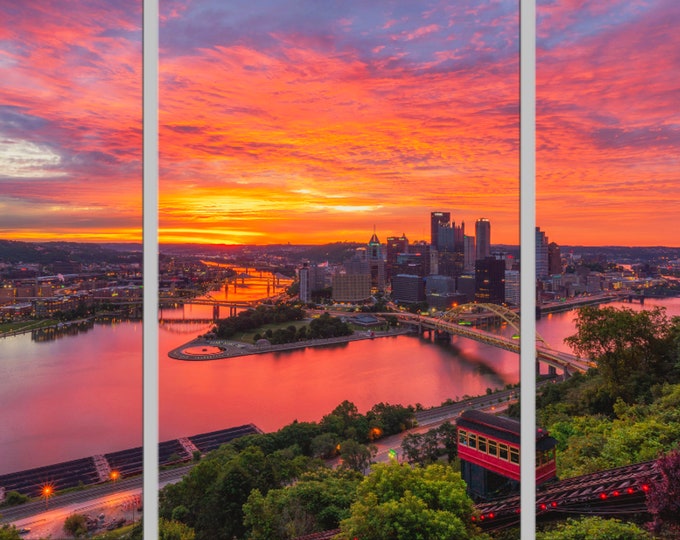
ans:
x=13 y=252
x=335 y=252
x=46 y=252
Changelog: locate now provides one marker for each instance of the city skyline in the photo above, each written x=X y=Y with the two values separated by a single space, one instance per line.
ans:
x=280 y=123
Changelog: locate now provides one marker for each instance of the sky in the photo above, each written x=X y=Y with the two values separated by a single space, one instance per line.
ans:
x=313 y=122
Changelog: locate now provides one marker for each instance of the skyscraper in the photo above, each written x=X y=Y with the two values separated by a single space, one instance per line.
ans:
x=376 y=263
x=541 y=254
x=395 y=246
x=437 y=219
x=490 y=280
x=554 y=259
x=305 y=288
x=483 y=238
x=470 y=253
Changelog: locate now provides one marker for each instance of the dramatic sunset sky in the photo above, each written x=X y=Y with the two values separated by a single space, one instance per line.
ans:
x=311 y=122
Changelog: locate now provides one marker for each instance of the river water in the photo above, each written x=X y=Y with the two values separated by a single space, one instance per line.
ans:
x=81 y=394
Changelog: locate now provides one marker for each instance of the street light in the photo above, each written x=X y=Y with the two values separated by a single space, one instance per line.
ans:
x=115 y=475
x=47 y=492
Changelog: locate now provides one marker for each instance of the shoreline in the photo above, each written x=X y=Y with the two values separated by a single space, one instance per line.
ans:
x=234 y=349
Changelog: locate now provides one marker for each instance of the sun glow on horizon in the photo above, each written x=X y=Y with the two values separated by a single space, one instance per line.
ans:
x=290 y=125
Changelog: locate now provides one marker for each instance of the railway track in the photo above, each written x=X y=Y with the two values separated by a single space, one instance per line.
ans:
x=619 y=491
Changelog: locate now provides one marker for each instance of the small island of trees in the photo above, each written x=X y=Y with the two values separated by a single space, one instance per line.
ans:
x=322 y=327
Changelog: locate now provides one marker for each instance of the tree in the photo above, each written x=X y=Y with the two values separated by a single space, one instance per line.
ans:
x=448 y=438
x=356 y=456
x=633 y=350
x=167 y=530
x=594 y=528
x=428 y=447
x=392 y=418
x=325 y=445
x=210 y=498
x=412 y=447
x=173 y=530
x=13 y=498
x=9 y=532
x=397 y=501
x=346 y=421
x=316 y=502
x=76 y=525
x=663 y=497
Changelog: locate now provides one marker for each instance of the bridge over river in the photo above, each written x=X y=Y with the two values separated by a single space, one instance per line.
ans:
x=458 y=322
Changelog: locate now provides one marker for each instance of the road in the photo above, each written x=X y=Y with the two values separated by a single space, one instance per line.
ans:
x=46 y=519
x=431 y=418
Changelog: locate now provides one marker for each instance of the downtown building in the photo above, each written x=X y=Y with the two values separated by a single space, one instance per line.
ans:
x=483 y=238
x=408 y=289
x=490 y=281
x=393 y=248
x=542 y=266
x=512 y=287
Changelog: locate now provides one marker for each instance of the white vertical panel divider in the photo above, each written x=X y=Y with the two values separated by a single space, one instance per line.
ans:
x=150 y=235
x=528 y=266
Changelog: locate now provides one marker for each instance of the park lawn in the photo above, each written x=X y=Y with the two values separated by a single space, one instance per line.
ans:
x=247 y=337
x=21 y=326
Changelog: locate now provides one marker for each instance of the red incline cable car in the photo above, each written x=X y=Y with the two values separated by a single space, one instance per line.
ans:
x=488 y=448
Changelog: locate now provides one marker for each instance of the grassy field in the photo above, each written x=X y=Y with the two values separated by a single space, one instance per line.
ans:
x=247 y=337
x=25 y=326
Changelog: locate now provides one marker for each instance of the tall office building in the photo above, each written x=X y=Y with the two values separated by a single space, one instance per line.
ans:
x=376 y=263
x=469 y=253
x=512 y=287
x=542 y=268
x=483 y=238
x=417 y=261
x=437 y=219
x=490 y=280
x=351 y=287
x=554 y=259
x=305 y=285
x=395 y=245
x=408 y=289
x=450 y=237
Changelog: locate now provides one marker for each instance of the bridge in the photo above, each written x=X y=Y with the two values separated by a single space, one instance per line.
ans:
x=457 y=321
x=233 y=306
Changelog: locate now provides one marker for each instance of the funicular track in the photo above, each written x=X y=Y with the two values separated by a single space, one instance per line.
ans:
x=619 y=491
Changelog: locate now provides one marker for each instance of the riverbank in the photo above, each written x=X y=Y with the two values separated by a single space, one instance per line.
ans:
x=232 y=349
x=25 y=327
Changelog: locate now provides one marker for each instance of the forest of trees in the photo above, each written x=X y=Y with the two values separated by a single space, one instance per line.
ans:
x=322 y=327
x=252 y=319
x=249 y=471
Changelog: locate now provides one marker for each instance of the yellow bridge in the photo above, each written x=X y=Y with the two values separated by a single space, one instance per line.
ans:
x=456 y=321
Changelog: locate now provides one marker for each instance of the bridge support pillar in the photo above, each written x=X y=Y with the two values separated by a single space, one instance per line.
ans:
x=552 y=371
x=216 y=312
x=441 y=335
x=232 y=311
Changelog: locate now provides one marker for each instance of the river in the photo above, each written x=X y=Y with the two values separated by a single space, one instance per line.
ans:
x=81 y=394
